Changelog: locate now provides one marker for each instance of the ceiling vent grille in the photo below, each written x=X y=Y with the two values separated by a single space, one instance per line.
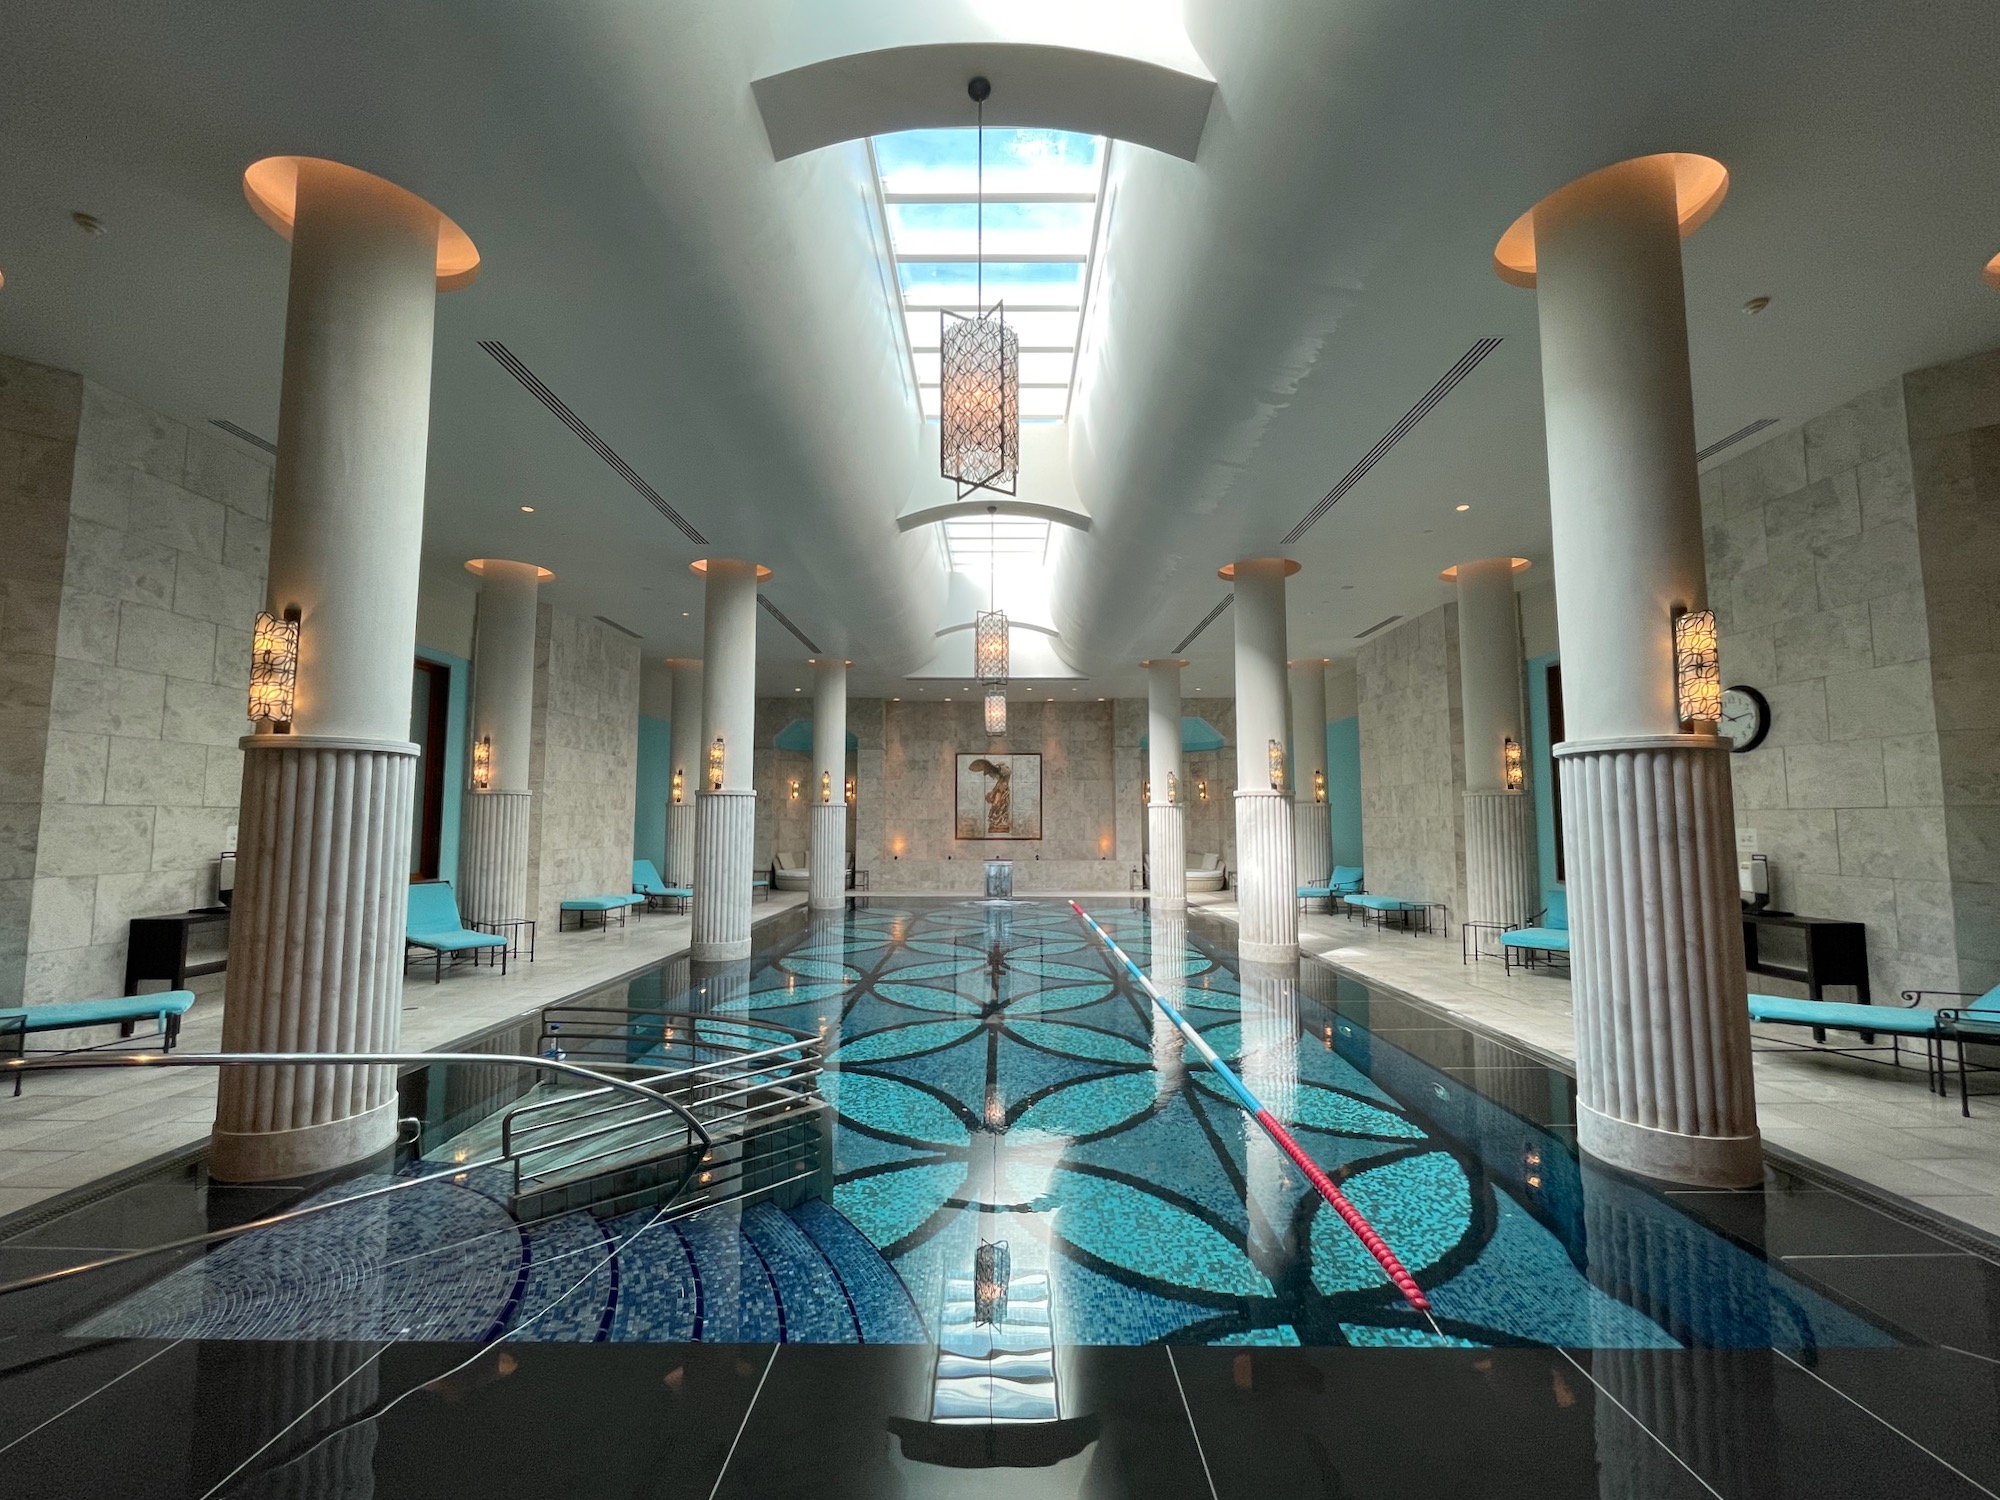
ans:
x=1206 y=620
x=1378 y=625
x=1735 y=437
x=534 y=387
x=245 y=434
x=607 y=620
x=786 y=620
x=1446 y=384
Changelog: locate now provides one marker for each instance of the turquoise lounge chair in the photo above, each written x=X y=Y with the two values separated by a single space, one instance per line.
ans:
x=1978 y=1022
x=164 y=1008
x=1344 y=881
x=1909 y=1020
x=433 y=923
x=1546 y=934
x=646 y=882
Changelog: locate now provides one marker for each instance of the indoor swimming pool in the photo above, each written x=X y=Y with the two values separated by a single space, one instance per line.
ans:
x=1025 y=1155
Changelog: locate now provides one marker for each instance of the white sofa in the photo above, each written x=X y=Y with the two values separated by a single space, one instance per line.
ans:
x=1206 y=873
x=788 y=873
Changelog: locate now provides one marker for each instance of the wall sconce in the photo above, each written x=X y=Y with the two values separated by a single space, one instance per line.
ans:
x=1274 y=754
x=1697 y=670
x=680 y=785
x=826 y=787
x=795 y=789
x=850 y=791
x=274 y=668
x=1319 y=785
x=715 y=765
x=1146 y=793
x=1173 y=789
x=482 y=763
x=1510 y=765
x=1201 y=787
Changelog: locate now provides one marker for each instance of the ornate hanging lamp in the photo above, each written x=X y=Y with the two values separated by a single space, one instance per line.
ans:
x=979 y=390
x=996 y=710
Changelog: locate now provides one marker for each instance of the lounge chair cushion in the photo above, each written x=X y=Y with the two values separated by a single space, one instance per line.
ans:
x=433 y=921
x=63 y=1015
x=600 y=903
x=1541 y=939
x=1782 y=1010
x=1381 y=903
x=1346 y=878
x=1557 y=915
x=646 y=879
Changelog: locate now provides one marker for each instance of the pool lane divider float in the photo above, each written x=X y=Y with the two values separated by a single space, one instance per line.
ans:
x=1351 y=1216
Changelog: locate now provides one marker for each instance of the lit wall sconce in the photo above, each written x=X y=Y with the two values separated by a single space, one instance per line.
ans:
x=1319 y=785
x=482 y=763
x=1201 y=787
x=1510 y=765
x=715 y=765
x=1274 y=754
x=850 y=791
x=1173 y=789
x=274 y=668
x=680 y=785
x=795 y=788
x=1146 y=793
x=825 y=787
x=1697 y=669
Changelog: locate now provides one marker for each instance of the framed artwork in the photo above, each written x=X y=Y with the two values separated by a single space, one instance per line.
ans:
x=998 y=797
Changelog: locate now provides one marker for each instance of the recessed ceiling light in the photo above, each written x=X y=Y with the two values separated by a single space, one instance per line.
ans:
x=1756 y=305
x=684 y=614
x=88 y=223
x=527 y=510
x=797 y=690
x=1465 y=507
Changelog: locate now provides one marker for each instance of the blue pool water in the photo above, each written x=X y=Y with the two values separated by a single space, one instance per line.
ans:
x=999 y=1082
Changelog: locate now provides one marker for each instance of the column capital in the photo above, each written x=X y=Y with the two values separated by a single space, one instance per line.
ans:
x=722 y=565
x=1283 y=567
x=272 y=188
x=1700 y=184
x=500 y=567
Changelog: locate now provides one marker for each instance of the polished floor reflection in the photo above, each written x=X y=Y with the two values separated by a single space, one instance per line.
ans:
x=1050 y=1259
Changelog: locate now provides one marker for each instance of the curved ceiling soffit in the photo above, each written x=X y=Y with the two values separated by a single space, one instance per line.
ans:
x=920 y=87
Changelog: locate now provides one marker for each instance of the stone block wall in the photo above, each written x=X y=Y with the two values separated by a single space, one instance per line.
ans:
x=1209 y=827
x=39 y=413
x=583 y=767
x=1850 y=565
x=1413 y=760
x=907 y=841
x=1954 y=428
x=165 y=544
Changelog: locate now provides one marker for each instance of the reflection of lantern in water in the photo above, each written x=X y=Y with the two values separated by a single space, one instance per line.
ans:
x=990 y=1268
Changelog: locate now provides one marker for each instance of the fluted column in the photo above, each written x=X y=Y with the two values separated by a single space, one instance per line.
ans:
x=316 y=940
x=1312 y=825
x=684 y=778
x=1266 y=883
x=1269 y=1065
x=1166 y=829
x=726 y=808
x=826 y=860
x=1502 y=883
x=1663 y=1037
x=1167 y=939
x=493 y=846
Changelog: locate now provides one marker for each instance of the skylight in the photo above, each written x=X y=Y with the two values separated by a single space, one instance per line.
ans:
x=970 y=541
x=1042 y=193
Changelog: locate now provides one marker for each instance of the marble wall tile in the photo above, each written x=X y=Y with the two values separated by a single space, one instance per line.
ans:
x=1817 y=645
x=87 y=627
x=84 y=840
x=74 y=973
x=1846 y=773
x=1882 y=560
x=220 y=469
x=1911 y=771
x=117 y=427
x=73 y=766
x=199 y=713
x=1880 y=701
x=120 y=898
x=162 y=514
x=1954 y=397
x=88 y=698
x=1899 y=843
x=62 y=913
x=154 y=773
x=1885 y=488
x=1871 y=425
x=161 y=641
x=192 y=838
x=1774 y=467
x=205 y=590
x=39 y=399
x=1898 y=628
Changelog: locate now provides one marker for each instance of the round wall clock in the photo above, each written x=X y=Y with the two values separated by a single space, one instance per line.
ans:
x=1746 y=718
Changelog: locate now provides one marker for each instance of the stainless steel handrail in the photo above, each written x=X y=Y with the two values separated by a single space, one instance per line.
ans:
x=363 y=1059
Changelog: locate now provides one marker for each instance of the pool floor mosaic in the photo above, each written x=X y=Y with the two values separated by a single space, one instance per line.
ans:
x=1004 y=1094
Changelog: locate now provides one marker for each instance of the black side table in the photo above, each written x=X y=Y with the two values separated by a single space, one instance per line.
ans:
x=510 y=929
x=157 y=948
x=1836 y=953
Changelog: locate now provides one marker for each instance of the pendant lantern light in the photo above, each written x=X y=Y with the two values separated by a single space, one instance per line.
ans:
x=979 y=393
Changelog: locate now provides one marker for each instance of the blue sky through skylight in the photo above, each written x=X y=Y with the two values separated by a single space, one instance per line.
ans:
x=1042 y=189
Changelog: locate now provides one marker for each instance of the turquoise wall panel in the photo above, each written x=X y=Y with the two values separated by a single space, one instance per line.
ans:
x=1542 y=769
x=457 y=734
x=1343 y=789
x=649 y=808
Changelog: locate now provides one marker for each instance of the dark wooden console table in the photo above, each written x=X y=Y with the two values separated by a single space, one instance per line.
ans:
x=1836 y=953
x=157 y=948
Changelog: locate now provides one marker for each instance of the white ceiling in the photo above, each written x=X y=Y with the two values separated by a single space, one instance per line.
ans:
x=1267 y=311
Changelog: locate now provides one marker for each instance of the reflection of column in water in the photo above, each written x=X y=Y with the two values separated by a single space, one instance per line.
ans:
x=265 y=1386
x=1707 y=1403
x=1269 y=1066
x=1168 y=936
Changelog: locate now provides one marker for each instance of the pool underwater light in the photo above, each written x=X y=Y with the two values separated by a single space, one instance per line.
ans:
x=1350 y=1215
